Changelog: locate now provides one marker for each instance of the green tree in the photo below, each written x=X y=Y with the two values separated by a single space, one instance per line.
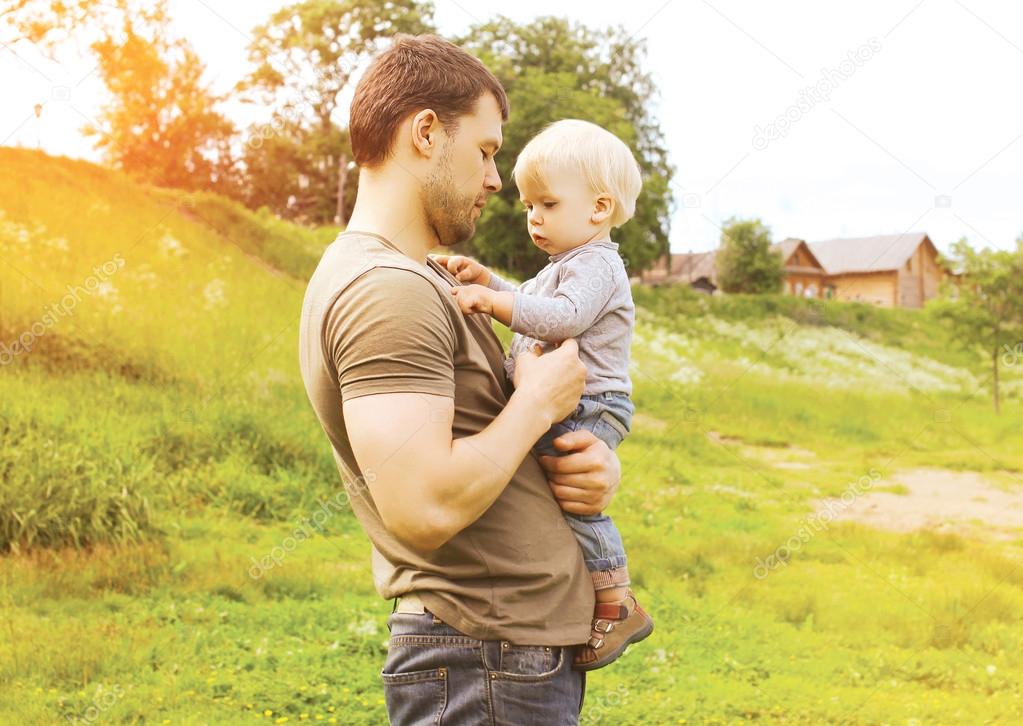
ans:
x=161 y=124
x=305 y=55
x=745 y=260
x=985 y=306
x=554 y=69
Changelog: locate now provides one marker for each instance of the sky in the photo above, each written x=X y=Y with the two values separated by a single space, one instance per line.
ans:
x=823 y=119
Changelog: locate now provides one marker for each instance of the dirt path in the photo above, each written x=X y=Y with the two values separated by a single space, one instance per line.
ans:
x=937 y=499
x=961 y=502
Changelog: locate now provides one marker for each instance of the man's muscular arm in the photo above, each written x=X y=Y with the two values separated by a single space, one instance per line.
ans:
x=428 y=487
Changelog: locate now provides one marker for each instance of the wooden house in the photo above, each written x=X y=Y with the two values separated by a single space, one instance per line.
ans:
x=803 y=274
x=697 y=269
x=889 y=270
x=900 y=270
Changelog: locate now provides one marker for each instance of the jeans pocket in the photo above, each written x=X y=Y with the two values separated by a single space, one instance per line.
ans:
x=529 y=663
x=416 y=698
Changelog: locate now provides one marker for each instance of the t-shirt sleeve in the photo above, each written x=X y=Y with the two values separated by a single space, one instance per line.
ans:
x=389 y=332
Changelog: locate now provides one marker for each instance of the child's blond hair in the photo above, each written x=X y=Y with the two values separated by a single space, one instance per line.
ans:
x=585 y=148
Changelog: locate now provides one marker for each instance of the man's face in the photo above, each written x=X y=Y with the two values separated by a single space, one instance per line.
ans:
x=465 y=174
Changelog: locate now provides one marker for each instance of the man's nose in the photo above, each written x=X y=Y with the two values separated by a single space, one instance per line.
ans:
x=492 y=181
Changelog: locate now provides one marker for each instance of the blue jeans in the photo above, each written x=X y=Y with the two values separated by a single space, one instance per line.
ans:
x=609 y=417
x=435 y=674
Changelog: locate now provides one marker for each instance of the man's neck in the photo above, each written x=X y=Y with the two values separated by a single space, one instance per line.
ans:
x=391 y=208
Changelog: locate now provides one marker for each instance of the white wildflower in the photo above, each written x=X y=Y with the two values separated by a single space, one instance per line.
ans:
x=169 y=245
x=214 y=293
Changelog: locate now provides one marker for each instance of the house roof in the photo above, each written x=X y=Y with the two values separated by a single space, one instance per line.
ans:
x=867 y=254
x=694 y=265
x=788 y=246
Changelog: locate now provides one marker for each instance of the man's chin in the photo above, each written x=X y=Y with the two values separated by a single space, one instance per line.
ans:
x=457 y=236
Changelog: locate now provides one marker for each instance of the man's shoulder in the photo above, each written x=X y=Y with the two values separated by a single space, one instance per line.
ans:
x=360 y=264
x=352 y=253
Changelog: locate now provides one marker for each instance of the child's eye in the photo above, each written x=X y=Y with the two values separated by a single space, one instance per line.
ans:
x=549 y=205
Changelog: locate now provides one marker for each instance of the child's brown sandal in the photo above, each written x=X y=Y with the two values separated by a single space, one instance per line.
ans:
x=614 y=628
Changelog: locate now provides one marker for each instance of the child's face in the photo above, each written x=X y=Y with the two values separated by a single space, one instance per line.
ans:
x=561 y=216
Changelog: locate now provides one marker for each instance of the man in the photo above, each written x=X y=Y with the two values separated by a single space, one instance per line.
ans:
x=431 y=439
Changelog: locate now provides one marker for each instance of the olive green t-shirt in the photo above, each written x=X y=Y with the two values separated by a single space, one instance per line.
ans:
x=375 y=321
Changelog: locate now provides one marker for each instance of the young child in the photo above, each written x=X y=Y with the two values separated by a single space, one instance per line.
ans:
x=577 y=182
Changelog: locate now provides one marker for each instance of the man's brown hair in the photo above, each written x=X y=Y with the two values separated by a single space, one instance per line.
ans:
x=416 y=72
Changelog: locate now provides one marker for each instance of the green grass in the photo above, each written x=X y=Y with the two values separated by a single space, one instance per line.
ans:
x=162 y=428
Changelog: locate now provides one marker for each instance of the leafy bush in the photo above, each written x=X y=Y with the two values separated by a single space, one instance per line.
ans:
x=55 y=490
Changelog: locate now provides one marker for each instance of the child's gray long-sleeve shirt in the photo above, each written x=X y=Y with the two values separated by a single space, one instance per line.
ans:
x=583 y=293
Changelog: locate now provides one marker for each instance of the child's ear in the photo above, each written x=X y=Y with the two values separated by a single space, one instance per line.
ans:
x=603 y=208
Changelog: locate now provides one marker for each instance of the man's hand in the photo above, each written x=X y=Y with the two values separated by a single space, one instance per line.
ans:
x=474 y=299
x=584 y=481
x=554 y=380
x=466 y=270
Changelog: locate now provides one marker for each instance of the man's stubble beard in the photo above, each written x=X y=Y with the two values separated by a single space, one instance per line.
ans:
x=448 y=213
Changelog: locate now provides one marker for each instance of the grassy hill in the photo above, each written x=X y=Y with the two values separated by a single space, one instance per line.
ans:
x=156 y=419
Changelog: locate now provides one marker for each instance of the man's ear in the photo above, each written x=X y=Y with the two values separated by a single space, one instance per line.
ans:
x=603 y=208
x=425 y=131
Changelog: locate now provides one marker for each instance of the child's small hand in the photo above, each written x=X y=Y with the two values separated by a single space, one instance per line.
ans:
x=474 y=299
x=465 y=269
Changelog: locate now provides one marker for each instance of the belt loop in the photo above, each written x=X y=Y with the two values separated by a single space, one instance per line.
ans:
x=394 y=606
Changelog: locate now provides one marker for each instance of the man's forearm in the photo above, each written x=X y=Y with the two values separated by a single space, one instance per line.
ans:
x=480 y=466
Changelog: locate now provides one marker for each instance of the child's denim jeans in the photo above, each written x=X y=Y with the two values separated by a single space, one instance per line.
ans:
x=609 y=417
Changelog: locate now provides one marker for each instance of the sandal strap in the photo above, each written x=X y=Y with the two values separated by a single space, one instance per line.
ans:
x=610 y=611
